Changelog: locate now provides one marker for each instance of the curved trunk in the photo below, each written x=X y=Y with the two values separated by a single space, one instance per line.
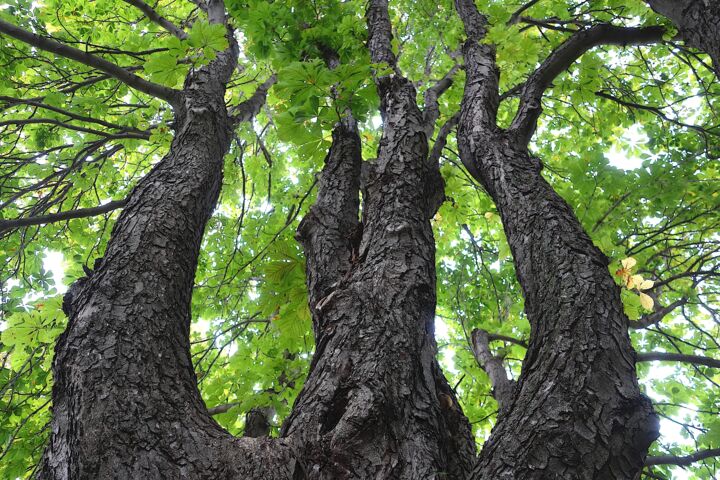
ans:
x=125 y=398
x=576 y=411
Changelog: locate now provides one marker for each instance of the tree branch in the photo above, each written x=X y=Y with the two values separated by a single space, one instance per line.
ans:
x=474 y=22
x=249 y=108
x=654 y=110
x=682 y=461
x=49 y=45
x=380 y=33
x=441 y=139
x=503 y=387
x=217 y=410
x=431 y=96
x=678 y=357
x=563 y=57
x=61 y=216
x=34 y=103
x=51 y=121
x=155 y=17
x=216 y=11
x=656 y=316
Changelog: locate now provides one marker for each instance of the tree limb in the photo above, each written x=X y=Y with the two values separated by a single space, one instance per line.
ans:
x=503 y=387
x=380 y=33
x=441 y=139
x=170 y=95
x=216 y=11
x=432 y=94
x=678 y=357
x=474 y=22
x=250 y=107
x=218 y=409
x=656 y=316
x=74 y=116
x=563 y=57
x=155 y=17
x=61 y=216
x=682 y=461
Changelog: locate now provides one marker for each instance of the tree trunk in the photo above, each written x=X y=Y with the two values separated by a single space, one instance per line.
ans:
x=697 y=21
x=577 y=411
x=375 y=404
x=125 y=397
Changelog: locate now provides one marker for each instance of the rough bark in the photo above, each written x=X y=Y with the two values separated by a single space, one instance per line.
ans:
x=697 y=22
x=125 y=397
x=577 y=411
x=375 y=404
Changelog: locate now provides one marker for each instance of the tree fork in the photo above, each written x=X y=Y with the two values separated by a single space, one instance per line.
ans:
x=579 y=355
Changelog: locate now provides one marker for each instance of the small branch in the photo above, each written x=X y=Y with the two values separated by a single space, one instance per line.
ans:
x=11 y=101
x=502 y=386
x=682 y=461
x=654 y=110
x=656 y=316
x=61 y=216
x=432 y=94
x=250 y=107
x=217 y=410
x=678 y=357
x=563 y=57
x=155 y=17
x=503 y=338
x=515 y=17
x=49 y=45
x=441 y=139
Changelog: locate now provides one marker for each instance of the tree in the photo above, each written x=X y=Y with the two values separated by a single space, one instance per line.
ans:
x=485 y=176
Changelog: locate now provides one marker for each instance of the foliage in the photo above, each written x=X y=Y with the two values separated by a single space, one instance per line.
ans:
x=629 y=138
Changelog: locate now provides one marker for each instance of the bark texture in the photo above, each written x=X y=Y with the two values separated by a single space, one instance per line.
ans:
x=375 y=404
x=697 y=21
x=125 y=397
x=577 y=411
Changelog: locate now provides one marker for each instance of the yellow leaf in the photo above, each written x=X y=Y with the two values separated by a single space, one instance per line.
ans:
x=635 y=281
x=646 y=301
x=628 y=263
x=646 y=284
x=489 y=215
x=52 y=28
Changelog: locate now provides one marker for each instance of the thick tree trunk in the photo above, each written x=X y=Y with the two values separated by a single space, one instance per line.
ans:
x=125 y=398
x=576 y=411
x=375 y=404
x=698 y=23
